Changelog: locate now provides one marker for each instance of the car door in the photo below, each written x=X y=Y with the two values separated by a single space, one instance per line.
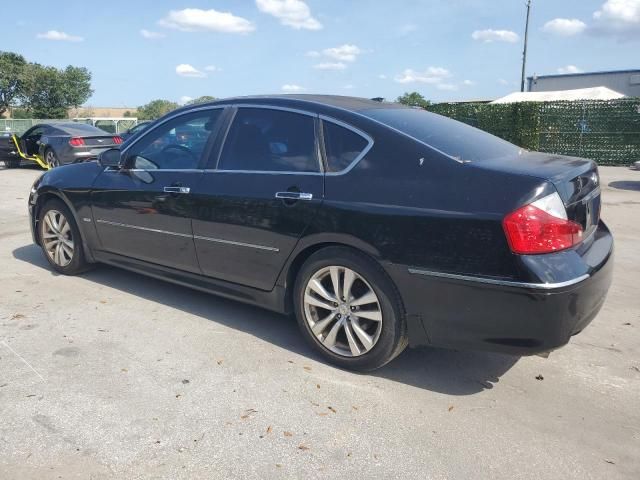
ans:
x=144 y=209
x=258 y=196
x=30 y=140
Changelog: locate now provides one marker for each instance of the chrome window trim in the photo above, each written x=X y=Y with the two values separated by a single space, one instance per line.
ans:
x=191 y=170
x=270 y=172
x=238 y=244
x=504 y=283
x=353 y=112
x=168 y=119
x=355 y=130
x=186 y=235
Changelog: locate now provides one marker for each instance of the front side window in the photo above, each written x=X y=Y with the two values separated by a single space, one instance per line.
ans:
x=175 y=145
x=268 y=140
x=342 y=146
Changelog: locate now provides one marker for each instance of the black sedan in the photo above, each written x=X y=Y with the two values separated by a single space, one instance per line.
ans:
x=379 y=226
x=64 y=142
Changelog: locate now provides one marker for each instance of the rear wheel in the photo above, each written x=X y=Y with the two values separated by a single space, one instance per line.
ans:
x=51 y=159
x=349 y=310
x=60 y=238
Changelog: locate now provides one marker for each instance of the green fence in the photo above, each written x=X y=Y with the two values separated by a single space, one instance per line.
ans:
x=605 y=131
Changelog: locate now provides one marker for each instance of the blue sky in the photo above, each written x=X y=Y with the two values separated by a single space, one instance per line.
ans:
x=139 y=50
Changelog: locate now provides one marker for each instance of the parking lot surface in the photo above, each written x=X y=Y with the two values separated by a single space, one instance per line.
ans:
x=115 y=375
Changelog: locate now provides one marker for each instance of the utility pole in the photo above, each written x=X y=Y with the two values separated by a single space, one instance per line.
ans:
x=524 y=52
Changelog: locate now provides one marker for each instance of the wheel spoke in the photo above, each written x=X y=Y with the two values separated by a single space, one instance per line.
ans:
x=369 y=297
x=330 y=340
x=353 y=345
x=317 y=287
x=366 y=340
x=62 y=225
x=349 y=278
x=67 y=242
x=48 y=221
x=321 y=325
x=47 y=235
x=58 y=254
x=67 y=251
x=370 y=314
x=311 y=300
x=335 y=280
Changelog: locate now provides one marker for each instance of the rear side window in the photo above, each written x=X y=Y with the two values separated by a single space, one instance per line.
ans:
x=342 y=146
x=268 y=140
x=456 y=139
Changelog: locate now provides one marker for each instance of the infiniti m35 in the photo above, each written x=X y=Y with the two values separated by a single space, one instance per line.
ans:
x=377 y=225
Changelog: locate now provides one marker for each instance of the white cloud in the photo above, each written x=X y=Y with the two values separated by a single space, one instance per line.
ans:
x=186 y=70
x=59 y=36
x=618 y=17
x=565 y=27
x=570 y=69
x=292 y=87
x=468 y=83
x=343 y=53
x=502 y=81
x=195 y=19
x=382 y=76
x=407 y=29
x=349 y=86
x=489 y=35
x=330 y=66
x=292 y=13
x=313 y=54
x=148 y=34
x=184 y=99
x=432 y=75
x=212 y=68
x=447 y=86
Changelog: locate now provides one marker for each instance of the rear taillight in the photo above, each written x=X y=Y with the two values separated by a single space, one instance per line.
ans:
x=541 y=227
x=117 y=140
x=76 y=142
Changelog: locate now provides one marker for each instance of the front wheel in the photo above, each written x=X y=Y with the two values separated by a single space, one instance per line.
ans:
x=60 y=238
x=349 y=310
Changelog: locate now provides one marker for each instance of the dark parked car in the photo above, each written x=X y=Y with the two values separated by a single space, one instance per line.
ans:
x=65 y=142
x=137 y=128
x=378 y=225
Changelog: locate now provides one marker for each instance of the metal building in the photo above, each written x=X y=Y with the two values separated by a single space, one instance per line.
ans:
x=626 y=82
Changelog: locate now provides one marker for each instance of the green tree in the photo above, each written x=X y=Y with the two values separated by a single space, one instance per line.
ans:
x=202 y=99
x=156 y=109
x=12 y=69
x=49 y=92
x=413 y=99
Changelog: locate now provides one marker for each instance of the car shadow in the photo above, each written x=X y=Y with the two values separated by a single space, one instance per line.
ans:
x=633 y=185
x=438 y=370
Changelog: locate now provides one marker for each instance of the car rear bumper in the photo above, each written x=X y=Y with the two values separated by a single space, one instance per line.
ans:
x=516 y=317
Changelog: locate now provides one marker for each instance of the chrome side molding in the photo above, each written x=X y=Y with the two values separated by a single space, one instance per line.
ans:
x=494 y=281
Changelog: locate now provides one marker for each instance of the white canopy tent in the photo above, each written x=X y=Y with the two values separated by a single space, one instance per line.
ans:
x=595 y=93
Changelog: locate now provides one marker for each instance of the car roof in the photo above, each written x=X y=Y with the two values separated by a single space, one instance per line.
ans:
x=304 y=101
x=74 y=128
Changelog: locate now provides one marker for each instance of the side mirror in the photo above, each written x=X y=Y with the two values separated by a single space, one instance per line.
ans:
x=110 y=158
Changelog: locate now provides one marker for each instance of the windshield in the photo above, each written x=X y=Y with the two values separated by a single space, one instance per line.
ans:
x=456 y=139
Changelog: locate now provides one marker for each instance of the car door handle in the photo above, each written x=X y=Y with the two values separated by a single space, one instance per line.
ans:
x=294 y=195
x=177 y=190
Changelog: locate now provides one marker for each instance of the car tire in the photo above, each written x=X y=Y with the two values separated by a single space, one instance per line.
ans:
x=361 y=342
x=60 y=239
x=12 y=163
x=50 y=158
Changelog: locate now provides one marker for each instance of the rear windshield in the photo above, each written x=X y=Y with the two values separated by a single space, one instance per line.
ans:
x=456 y=139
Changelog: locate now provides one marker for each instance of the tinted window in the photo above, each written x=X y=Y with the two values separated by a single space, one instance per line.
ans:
x=342 y=146
x=177 y=144
x=456 y=139
x=270 y=140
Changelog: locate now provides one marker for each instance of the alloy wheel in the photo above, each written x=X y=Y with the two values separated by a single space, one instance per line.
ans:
x=57 y=238
x=51 y=159
x=342 y=311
